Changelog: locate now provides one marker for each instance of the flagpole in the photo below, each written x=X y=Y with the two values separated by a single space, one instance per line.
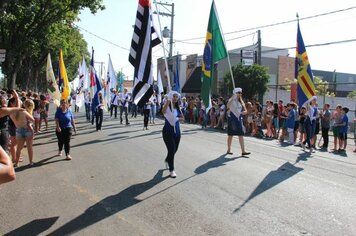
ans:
x=223 y=36
x=164 y=51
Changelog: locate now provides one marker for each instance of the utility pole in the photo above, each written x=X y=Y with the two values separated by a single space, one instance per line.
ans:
x=170 y=14
x=259 y=47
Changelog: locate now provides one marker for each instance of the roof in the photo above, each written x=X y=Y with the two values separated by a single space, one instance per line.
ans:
x=193 y=84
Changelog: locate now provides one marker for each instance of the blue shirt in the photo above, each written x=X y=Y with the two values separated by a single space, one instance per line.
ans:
x=291 y=119
x=64 y=118
x=343 y=129
x=170 y=128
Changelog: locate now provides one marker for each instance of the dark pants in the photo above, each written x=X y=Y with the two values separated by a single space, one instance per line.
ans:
x=133 y=110
x=146 y=114
x=309 y=130
x=325 y=134
x=87 y=111
x=64 y=139
x=172 y=143
x=99 y=118
x=4 y=139
x=123 y=110
x=112 y=108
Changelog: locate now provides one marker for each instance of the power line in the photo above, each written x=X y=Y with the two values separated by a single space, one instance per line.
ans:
x=243 y=36
x=279 y=23
x=121 y=47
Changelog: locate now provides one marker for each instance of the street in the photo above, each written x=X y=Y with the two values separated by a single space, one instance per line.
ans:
x=117 y=184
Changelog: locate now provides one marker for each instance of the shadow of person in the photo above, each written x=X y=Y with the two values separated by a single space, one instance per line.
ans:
x=275 y=177
x=303 y=157
x=34 y=227
x=109 y=206
x=220 y=161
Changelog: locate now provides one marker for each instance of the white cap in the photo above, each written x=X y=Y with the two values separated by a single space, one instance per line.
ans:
x=172 y=93
x=237 y=90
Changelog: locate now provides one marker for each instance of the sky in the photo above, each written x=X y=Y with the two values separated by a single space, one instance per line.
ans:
x=114 y=24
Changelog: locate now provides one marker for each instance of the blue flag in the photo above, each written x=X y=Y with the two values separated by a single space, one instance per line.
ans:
x=303 y=72
x=96 y=85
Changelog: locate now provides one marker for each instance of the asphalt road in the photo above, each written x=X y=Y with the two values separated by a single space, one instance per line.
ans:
x=117 y=184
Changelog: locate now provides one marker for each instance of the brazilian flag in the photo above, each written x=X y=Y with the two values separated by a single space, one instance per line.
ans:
x=214 y=51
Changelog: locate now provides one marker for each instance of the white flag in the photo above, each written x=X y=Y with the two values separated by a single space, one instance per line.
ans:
x=52 y=87
x=84 y=73
x=111 y=75
x=160 y=88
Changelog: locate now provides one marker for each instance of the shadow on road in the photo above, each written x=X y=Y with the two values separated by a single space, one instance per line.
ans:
x=34 y=227
x=220 y=161
x=284 y=172
x=302 y=157
x=109 y=206
x=42 y=162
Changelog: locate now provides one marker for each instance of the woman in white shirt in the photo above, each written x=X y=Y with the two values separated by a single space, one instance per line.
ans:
x=236 y=109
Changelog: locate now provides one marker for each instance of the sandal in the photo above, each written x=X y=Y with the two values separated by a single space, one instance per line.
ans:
x=229 y=153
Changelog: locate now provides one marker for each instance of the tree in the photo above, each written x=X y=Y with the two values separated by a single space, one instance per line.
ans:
x=252 y=79
x=321 y=86
x=26 y=27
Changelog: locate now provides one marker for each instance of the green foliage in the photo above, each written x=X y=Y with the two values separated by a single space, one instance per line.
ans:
x=321 y=87
x=31 y=29
x=252 y=79
x=352 y=95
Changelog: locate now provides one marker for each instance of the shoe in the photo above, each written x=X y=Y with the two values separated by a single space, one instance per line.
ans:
x=127 y=123
x=173 y=174
x=246 y=153
x=303 y=146
x=229 y=153
x=312 y=150
x=146 y=128
x=59 y=153
x=68 y=158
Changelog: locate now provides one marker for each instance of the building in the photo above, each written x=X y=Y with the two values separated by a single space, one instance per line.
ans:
x=280 y=68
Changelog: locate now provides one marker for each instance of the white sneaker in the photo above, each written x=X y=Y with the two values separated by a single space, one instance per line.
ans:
x=173 y=174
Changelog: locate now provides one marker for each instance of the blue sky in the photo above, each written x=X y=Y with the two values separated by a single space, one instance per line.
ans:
x=115 y=24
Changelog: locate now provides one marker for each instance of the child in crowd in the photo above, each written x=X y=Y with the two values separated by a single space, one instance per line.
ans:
x=343 y=129
x=290 y=122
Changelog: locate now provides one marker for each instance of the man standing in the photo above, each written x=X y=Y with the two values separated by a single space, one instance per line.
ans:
x=114 y=102
x=87 y=104
x=124 y=105
x=325 y=125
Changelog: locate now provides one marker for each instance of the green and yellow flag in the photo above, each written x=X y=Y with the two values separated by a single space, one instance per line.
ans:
x=64 y=77
x=214 y=51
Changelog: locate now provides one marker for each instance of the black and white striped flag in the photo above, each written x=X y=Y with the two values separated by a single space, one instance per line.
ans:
x=144 y=38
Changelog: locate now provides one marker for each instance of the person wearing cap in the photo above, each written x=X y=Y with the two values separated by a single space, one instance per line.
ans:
x=124 y=105
x=171 y=129
x=236 y=109
x=310 y=123
x=114 y=103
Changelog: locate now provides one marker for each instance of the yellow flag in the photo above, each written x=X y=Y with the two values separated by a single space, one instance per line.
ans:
x=64 y=77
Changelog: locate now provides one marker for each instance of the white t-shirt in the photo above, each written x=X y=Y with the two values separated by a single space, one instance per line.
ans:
x=222 y=110
x=124 y=100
